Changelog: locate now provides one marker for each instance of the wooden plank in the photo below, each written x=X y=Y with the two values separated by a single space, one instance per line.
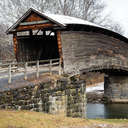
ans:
x=9 y=74
x=37 y=69
x=34 y=22
x=25 y=70
x=50 y=67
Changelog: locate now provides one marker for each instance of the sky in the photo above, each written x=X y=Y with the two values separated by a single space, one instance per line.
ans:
x=119 y=12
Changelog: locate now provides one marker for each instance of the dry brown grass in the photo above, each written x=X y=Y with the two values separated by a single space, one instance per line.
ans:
x=27 y=119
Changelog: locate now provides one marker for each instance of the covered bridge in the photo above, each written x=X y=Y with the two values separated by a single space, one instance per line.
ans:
x=81 y=45
x=77 y=42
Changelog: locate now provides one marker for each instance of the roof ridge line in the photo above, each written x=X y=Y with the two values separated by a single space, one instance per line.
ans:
x=26 y=14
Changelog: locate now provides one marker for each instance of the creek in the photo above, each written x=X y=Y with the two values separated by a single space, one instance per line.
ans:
x=107 y=111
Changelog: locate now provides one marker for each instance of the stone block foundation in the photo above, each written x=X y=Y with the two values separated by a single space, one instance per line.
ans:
x=116 y=88
x=62 y=96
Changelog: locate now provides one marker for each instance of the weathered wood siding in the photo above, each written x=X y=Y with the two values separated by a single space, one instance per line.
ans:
x=33 y=17
x=79 y=48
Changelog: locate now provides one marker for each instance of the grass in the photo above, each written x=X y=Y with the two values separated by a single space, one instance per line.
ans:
x=27 y=119
x=113 y=121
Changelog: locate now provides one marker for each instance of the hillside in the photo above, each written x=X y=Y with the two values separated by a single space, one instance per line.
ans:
x=27 y=119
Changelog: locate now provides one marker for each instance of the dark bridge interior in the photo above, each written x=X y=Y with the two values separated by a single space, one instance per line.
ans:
x=35 y=47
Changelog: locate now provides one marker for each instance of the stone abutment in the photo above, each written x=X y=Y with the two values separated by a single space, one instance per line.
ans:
x=62 y=96
x=116 y=88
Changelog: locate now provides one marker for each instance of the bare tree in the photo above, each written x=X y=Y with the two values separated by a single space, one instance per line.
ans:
x=6 y=49
x=66 y=6
x=113 y=25
x=116 y=27
x=91 y=10
x=13 y=9
x=3 y=37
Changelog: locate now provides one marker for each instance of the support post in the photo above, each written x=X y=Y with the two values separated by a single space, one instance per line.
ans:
x=50 y=67
x=59 y=45
x=9 y=74
x=15 y=45
x=37 y=69
x=25 y=70
x=60 y=69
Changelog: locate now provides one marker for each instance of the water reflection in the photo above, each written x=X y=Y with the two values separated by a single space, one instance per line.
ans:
x=107 y=111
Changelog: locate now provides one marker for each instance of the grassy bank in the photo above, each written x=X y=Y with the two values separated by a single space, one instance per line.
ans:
x=27 y=119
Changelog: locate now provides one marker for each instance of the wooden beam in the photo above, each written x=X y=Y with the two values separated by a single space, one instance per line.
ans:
x=52 y=27
x=15 y=44
x=33 y=27
x=34 y=22
x=59 y=45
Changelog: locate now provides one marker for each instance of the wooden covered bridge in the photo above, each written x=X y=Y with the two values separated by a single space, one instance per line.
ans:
x=81 y=45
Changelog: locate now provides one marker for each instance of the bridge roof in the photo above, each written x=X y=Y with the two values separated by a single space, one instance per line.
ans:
x=62 y=21
x=65 y=20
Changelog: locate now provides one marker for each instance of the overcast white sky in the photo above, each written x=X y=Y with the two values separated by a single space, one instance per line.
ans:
x=119 y=11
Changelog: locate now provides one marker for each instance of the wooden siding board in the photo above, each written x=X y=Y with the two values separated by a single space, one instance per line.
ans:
x=34 y=22
x=33 y=17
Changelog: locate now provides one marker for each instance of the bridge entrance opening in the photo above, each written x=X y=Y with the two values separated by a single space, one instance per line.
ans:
x=37 y=47
x=36 y=37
